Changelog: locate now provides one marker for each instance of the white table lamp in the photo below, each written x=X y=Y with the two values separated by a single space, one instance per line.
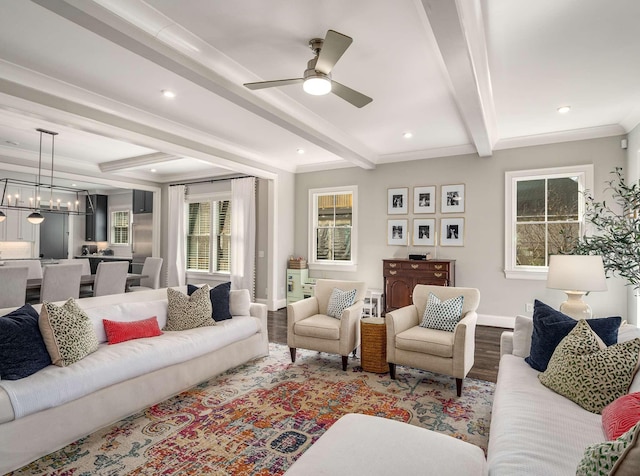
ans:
x=576 y=275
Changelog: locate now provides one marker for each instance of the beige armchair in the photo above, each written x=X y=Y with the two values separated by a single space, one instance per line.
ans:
x=450 y=353
x=309 y=327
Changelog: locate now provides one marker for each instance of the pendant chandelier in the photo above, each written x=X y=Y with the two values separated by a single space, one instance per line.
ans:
x=13 y=193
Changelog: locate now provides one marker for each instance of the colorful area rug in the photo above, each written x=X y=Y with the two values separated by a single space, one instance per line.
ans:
x=259 y=418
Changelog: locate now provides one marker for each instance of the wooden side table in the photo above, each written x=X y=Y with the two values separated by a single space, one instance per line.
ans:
x=373 y=345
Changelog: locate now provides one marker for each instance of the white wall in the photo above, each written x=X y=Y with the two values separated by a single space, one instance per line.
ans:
x=632 y=174
x=480 y=262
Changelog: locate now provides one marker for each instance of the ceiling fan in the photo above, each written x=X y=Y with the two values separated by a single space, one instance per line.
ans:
x=317 y=77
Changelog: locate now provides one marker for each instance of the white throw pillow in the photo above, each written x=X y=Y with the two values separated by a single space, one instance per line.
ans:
x=339 y=301
x=239 y=302
x=522 y=332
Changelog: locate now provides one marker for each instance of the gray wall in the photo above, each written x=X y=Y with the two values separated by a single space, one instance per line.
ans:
x=633 y=175
x=480 y=262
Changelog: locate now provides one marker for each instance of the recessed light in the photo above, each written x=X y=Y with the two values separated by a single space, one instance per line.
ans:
x=73 y=185
x=564 y=109
x=153 y=171
x=168 y=93
x=407 y=135
x=300 y=151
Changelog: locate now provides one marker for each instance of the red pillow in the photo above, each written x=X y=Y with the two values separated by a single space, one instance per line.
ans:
x=122 y=331
x=621 y=415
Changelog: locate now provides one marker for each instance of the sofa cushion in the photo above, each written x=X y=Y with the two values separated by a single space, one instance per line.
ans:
x=442 y=315
x=123 y=331
x=522 y=332
x=22 y=350
x=320 y=326
x=551 y=326
x=339 y=301
x=67 y=332
x=620 y=457
x=240 y=302
x=426 y=341
x=219 y=295
x=621 y=415
x=188 y=312
x=588 y=374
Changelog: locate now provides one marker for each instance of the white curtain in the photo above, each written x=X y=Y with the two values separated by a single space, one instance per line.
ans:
x=176 y=268
x=243 y=233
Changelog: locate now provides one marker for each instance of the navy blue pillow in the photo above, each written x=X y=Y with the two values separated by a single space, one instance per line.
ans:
x=219 y=297
x=22 y=350
x=551 y=326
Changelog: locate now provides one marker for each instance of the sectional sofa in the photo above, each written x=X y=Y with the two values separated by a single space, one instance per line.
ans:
x=58 y=405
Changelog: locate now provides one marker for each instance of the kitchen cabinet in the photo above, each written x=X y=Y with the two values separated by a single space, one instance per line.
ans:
x=16 y=227
x=142 y=201
x=96 y=224
x=402 y=275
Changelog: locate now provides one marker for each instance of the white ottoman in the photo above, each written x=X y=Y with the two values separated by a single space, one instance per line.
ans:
x=367 y=445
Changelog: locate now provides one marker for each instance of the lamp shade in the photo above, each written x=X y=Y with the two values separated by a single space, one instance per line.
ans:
x=576 y=273
x=35 y=217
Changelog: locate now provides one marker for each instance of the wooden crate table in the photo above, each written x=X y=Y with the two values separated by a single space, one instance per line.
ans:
x=373 y=346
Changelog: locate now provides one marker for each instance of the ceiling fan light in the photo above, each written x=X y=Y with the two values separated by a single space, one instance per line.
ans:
x=35 y=217
x=317 y=86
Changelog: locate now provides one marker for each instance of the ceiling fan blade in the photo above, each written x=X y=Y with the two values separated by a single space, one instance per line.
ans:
x=350 y=95
x=333 y=47
x=271 y=84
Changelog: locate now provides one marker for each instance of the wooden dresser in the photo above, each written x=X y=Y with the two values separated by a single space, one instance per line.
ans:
x=402 y=275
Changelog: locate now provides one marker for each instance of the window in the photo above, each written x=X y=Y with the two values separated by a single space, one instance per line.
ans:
x=333 y=222
x=120 y=227
x=544 y=216
x=209 y=235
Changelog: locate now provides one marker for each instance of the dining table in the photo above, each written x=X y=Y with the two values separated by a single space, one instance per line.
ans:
x=34 y=284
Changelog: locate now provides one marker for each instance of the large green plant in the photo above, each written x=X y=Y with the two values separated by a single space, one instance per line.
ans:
x=617 y=229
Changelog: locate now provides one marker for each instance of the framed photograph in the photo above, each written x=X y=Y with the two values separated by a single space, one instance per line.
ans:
x=452 y=198
x=424 y=199
x=452 y=231
x=424 y=231
x=397 y=231
x=397 y=201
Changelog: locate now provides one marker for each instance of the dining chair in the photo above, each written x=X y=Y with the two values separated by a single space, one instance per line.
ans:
x=111 y=278
x=151 y=269
x=61 y=282
x=86 y=265
x=34 y=266
x=13 y=285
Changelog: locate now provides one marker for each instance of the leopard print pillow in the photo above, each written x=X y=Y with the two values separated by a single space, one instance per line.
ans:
x=67 y=332
x=187 y=312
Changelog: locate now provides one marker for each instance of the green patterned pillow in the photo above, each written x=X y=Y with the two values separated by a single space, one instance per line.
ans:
x=187 y=312
x=442 y=315
x=586 y=372
x=67 y=332
x=619 y=457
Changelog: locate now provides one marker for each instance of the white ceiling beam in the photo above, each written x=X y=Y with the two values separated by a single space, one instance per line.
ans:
x=459 y=32
x=111 y=27
x=131 y=162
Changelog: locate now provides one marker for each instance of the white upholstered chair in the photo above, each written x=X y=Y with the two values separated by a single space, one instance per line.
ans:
x=151 y=269
x=13 y=285
x=111 y=278
x=450 y=353
x=61 y=282
x=86 y=265
x=309 y=326
x=34 y=266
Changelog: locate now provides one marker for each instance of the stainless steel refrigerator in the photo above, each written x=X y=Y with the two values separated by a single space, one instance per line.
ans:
x=141 y=240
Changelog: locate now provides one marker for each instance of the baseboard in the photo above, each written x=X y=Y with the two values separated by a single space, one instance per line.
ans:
x=496 y=321
x=273 y=305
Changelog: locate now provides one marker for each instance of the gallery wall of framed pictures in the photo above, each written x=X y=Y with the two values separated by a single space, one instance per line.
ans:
x=425 y=231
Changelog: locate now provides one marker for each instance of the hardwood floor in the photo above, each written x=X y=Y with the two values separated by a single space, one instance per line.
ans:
x=487 y=344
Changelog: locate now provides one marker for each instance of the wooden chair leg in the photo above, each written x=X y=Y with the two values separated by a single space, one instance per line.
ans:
x=459 y=386
x=345 y=359
x=293 y=353
x=392 y=371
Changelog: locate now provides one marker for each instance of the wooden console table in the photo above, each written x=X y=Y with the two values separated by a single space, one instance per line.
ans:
x=402 y=275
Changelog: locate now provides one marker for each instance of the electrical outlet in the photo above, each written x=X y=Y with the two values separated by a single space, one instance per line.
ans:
x=528 y=307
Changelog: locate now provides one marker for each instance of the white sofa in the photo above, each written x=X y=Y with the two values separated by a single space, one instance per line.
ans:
x=91 y=394
x=535 y=431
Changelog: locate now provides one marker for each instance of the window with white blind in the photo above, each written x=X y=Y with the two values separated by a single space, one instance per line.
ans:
x=120 y=227
x=209 y=236
x=333 y=228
